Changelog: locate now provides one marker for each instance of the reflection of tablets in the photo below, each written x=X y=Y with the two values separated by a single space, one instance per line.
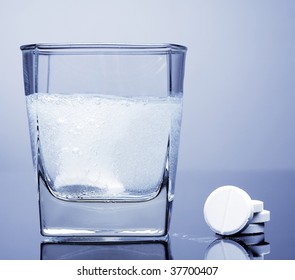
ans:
x=226 y=249
x=250 y=239
x=260 y=249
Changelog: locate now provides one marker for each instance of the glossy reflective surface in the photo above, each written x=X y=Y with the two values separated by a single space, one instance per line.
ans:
x=189 y=238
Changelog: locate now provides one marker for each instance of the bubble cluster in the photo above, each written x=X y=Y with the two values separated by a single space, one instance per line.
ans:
x=115 y=146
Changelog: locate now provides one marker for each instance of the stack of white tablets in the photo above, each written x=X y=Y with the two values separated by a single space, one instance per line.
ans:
x=229 y=210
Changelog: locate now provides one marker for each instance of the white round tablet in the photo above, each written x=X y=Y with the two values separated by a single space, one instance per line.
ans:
x=254 y=229
x=261 y=217
x=257 y=205
x=228 y=210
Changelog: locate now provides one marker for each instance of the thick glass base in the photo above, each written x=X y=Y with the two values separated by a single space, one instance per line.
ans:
x=114 y=219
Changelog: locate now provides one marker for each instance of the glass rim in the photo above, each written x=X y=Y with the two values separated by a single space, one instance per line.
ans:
x=164 y=48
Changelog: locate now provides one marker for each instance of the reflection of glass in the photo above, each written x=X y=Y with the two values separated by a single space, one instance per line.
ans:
x=105 y=124
x=106 y=251
x=244 y=247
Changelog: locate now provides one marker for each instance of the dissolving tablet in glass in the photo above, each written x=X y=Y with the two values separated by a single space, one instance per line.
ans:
x=228 y=210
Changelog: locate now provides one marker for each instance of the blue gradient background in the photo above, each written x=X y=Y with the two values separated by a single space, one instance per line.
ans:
x=239 y=83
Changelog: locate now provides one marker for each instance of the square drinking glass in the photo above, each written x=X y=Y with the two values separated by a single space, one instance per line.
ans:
x=104 y=123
